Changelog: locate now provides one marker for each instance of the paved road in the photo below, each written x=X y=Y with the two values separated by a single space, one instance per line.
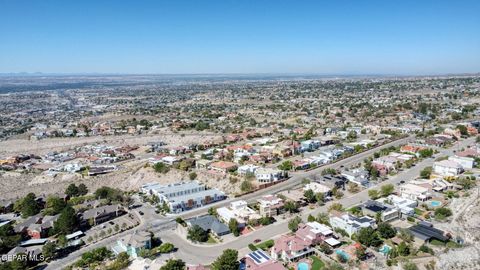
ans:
x=193 y=254
x=295 y=179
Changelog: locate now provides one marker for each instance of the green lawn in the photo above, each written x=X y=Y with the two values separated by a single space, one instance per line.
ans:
x=418 y=212
x=437 y=243
x=266 y=245
x=317 y=263
x=211 y=240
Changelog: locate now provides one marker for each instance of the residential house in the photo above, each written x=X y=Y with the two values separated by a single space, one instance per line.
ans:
x=412 y=149
x=210 y=224
x=338 y=181
x=318 y=188
x=414 y=192
x=248 y=169
x=447 y=168
x=238 y=210
x=36 y=227
x=269 y=175
x=406 y=206
x=309 y=145
x=349 y=223
x=425 y=232
x=357 y=176
x=259 y=260
x=465 y=162
x=291 y=248
x=313 y=233
x=133 y=243
x=203 y=163
x=223 y=166
x=374 y=208
x=101 y=214
x=270 y=205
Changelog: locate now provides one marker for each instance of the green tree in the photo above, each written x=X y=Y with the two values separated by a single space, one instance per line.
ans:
x=212 y=211
x=293 y=223
x=360 y=253
x=166 y=248
x=335 y=207
x=309 y=196
x=410 y=266
x=192 y=176
x=197 y=234
x=368 y=237
x=72 y=190
x=121 y=262
x=323 y=218
x=233 y=226
x=160 y=167
x=173 y=264
x=55 y=205
x=352 y=135
x=82 y=190
x=246 y=186
x=320 y=198
x=8 y=238
x=425 y=153
x=287 y=165
x=463 y=130
x=442 y=213
x=373 y=194
x=49 y=249
x=403 y=249
x=386 y=190
x=291 y=206
x=62 y=241
x=325 y=248
x=386 y=230
x=426 y=172
x=227 y=261
x=67 y=221
x=28 y=206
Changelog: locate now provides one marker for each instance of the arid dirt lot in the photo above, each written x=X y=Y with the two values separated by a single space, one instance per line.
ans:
x=131 y=175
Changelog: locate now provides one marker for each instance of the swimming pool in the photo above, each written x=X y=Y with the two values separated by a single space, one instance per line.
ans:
x=302 y=266
x=343 y=254
x=385 y=249
x=434 y=203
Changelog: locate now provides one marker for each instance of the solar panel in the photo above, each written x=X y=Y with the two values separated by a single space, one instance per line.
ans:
x=263 y=255
x=254 y=257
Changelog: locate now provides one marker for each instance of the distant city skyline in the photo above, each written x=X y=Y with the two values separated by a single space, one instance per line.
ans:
x=240 y=37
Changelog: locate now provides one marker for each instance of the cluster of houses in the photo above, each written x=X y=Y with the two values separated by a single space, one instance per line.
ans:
x=267 y=206
x=93 y=159
x=36 y=230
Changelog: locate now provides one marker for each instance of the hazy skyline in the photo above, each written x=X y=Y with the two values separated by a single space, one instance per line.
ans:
x=334 y=37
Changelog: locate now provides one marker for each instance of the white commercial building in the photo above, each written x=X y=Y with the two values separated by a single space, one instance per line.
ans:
x=184 y=195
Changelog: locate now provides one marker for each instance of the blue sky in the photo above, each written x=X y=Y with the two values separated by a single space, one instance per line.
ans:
x=325 y=37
